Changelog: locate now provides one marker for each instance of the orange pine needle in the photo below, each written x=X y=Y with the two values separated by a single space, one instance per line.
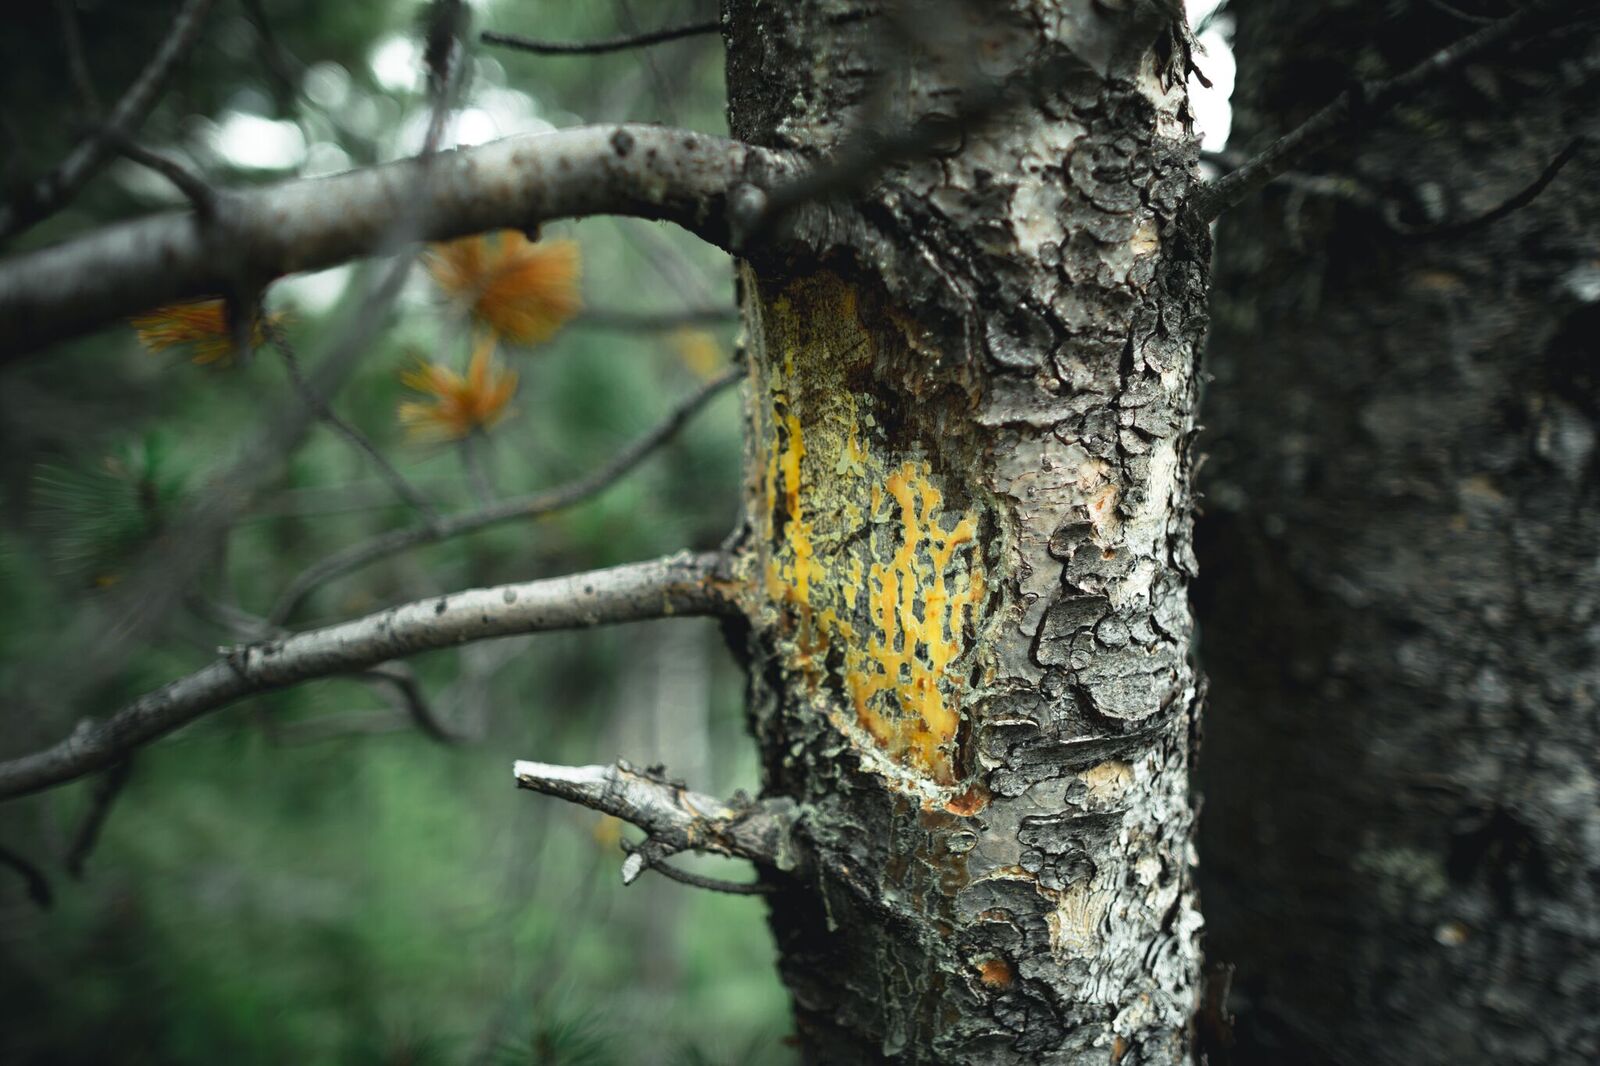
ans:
x=201 y=324
x=458 y=405
x=522 y=290
x=700 y=352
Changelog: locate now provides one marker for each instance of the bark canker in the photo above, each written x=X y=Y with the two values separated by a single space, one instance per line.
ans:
x=968 y=528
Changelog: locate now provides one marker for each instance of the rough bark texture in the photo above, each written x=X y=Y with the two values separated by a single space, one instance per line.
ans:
x=968 y=532
x=1401 y=841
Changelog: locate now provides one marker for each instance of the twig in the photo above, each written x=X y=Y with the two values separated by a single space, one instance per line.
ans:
x=167 y=568
x=1516 y=202
x=49 y=193
x=358 y=440
x=608 y=44
x=279 y=63
x=1456 y=12
x=37 y=884
x=680 y=585
x=473 y=462
x=1348 y=189
x=673 y=818
x=755 y=212
x=405 y=683
x=194 y=189
x=1334 y=120
x=77 y=64
x=645 y=171
x=540 y=503
x=106 y=791
x=711 y=884
x=654 y=321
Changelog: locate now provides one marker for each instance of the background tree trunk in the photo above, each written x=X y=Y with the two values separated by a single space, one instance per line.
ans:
x=968 y=507
x=1401 y=837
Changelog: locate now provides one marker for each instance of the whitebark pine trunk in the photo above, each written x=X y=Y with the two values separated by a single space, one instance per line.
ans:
x=971 y=407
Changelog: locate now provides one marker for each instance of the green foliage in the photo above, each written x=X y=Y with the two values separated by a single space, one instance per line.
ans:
x=94 y=517
x=279 y=883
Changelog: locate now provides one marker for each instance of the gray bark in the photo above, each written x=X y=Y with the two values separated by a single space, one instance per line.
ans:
x=967 y=538
x=1401 y=839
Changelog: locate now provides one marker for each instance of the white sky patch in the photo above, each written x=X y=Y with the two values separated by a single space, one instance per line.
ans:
x=313 y=294
x=490 y=115
x=396 y=64
x=257 y=143
x=1213 y=114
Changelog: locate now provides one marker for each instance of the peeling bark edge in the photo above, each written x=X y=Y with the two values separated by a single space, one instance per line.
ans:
x=685 y=584
x=643 y=171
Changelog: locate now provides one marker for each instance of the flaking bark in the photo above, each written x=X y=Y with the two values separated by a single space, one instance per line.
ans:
x=968 y=536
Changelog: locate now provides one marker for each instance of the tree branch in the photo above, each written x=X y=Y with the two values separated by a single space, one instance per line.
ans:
x=1354 y=105
x=683 y=584
x=106 y=791
x=418 y=709
x=353 y=436
x=608 y=44
x=77 y=63
x=1518 y=200
x=573 y=492
x=673 y=818
x=48 y=194
x=33 y=879
x=710 y=884
x=647 y=171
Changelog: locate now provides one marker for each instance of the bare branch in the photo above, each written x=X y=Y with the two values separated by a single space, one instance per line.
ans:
x=710 y=884
x=683 y=584
x=77 y=64
x=166 y=569
x=106 y=791
x=282 y=68
x=1456 y=12
x=647 y=171
x=199 y=194
x=409 y=689
x=562 y=496
x=868 y=152
x=608 y=44
x=1516 y=202
x=49 y=193
x=1351 y=106
x=358 y=440
x=673 y=818
x=37 y=884
x=1340 y=187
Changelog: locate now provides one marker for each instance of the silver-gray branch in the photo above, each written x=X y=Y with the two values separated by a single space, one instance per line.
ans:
x=674 y=818
x=682 y=584
x=645 y=171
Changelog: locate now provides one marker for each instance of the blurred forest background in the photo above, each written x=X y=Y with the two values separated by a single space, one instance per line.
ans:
x=308 y=878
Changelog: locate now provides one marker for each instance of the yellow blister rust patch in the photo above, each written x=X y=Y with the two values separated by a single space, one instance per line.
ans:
x=880 y=586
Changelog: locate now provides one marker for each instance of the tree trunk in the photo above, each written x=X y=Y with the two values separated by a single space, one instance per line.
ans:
x=1402 y=832
x=968 y=516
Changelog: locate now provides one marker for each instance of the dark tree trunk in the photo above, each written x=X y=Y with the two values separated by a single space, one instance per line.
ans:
x=1401 y=548
x=971 y=404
